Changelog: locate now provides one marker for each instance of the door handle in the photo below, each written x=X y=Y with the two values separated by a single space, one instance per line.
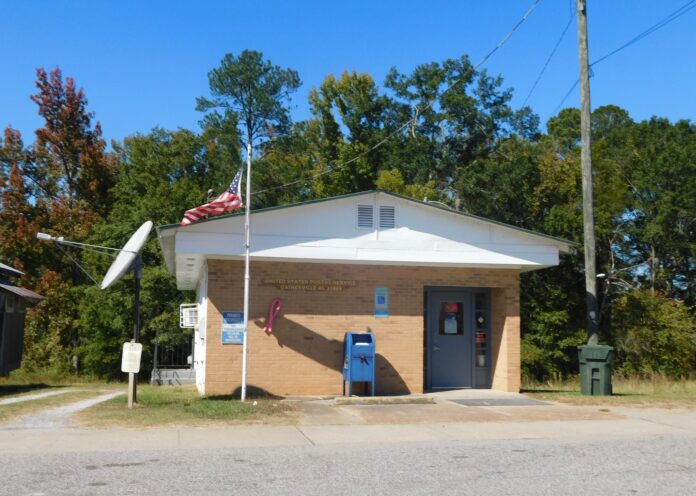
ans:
x=436 y=348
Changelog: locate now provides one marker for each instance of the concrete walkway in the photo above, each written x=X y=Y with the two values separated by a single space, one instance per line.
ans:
x=632 y=424
x=34 y=396
x=466 y=405
x=57 y=417
x=324 y=423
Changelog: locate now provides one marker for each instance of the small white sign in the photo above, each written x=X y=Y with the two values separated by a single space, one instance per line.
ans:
x=130 y=361
x=451 y=323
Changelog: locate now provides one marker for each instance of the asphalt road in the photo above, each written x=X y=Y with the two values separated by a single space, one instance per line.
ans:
x=653 y=465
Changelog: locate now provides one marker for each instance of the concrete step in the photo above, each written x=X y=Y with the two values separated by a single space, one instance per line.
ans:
x=172 y=377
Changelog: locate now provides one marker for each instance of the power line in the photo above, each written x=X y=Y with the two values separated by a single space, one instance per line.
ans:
x=565 y=97
x=673 y=16
x=655 y=27
x=546 y=64
x=413 y=120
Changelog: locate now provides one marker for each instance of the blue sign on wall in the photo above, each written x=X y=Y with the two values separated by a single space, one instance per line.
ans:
x=232 y=328
x=381 y=302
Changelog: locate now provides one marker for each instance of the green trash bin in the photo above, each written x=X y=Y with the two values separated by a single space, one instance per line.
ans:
x=595 y=369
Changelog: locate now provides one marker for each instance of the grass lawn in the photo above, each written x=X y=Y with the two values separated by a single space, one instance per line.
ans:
x=169 y=406
x=24 y=382
x=657 y=392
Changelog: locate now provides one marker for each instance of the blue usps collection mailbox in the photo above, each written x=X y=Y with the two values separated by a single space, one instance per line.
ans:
x=358 y=360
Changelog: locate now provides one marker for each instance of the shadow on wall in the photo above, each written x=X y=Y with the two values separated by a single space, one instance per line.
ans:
x=329 y=353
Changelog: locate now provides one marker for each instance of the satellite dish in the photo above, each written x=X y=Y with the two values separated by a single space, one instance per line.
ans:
x=125 y=258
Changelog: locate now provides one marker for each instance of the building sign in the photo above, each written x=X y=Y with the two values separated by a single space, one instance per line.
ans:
x=232 y=328
x=130 y=360
x=309 y=284
x=381 y=302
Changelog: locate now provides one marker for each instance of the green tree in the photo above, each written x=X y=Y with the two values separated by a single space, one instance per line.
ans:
x=253 y=94
x=502 y=184
x=292 y=160
x=350 y=162
x=160 y=175
x=392 y=180
x=458 y=115
x=654 y=335
x=661 y=216
x=644 y=204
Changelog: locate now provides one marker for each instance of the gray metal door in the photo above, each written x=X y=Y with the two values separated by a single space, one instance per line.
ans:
x=450 y=339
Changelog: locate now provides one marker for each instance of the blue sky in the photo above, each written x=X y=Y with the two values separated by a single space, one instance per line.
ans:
x=143 y=63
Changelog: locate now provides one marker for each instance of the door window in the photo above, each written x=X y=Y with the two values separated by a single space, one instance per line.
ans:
x=451 y=318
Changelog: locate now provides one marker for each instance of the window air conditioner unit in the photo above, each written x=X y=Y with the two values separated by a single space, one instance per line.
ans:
x=188 y=315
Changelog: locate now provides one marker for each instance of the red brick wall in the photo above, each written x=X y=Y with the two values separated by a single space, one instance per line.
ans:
x=304 y=353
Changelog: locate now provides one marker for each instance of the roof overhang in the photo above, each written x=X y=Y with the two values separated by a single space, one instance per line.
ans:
x=25 y=293
x=430 y=236
x=10 y=270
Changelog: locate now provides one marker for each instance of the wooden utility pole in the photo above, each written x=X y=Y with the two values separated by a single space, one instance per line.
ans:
x=586 y=162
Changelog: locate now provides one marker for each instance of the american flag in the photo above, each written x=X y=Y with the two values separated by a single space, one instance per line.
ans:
x=229 y=200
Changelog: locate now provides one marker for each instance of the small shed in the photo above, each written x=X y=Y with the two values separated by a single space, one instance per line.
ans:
x=13 y=303
x=439 y=290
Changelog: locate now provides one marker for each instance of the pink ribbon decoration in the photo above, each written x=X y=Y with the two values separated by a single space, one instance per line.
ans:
x=273 y=311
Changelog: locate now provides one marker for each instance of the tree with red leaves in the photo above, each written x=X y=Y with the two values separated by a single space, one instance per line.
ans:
x=20 y=213
x=60 y=184
x=69 y=158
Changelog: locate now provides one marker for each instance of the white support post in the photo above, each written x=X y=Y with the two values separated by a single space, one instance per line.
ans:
x=247 y=243
x=131 y=389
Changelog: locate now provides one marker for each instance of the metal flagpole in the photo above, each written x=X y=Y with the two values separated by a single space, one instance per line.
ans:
x=247 y=243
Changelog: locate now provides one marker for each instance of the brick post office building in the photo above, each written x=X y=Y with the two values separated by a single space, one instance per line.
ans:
x=438 y=288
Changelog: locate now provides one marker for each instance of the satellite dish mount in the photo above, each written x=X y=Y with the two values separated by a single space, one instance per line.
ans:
x=128 y=258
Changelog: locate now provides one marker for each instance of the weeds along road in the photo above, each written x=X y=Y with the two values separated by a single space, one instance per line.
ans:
x=628 y=465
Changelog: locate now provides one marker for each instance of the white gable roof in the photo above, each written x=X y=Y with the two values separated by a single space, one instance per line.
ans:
x=327 y=231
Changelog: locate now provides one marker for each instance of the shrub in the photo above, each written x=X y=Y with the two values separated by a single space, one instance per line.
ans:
x=653 y=335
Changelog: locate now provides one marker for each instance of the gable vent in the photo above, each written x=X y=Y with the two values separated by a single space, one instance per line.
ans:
x=386 y=217
x=365 y=213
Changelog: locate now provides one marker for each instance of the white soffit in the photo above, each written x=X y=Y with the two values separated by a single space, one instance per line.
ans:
x=328 y=231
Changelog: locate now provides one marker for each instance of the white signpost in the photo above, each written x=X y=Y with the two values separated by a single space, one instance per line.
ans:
x=130 y=363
